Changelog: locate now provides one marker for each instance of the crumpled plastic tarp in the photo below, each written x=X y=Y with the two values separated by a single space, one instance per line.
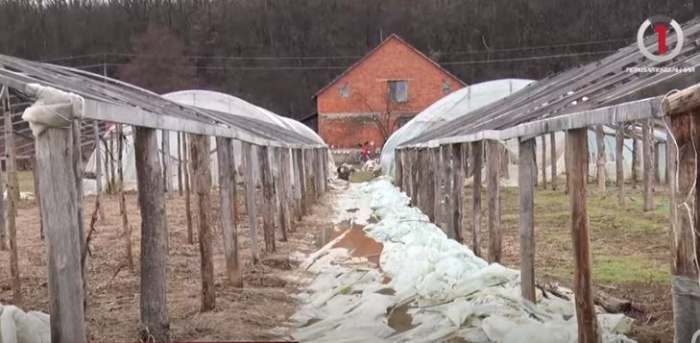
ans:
x=445 y=290
x=17 y=326
x=53 y=108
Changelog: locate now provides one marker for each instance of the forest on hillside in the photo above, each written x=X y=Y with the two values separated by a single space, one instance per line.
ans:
x=278 y=53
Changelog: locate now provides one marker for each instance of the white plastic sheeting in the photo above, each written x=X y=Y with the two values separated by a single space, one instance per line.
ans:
x=207 y=100
x=449 y=107
x=17 y=326
x=443 y=289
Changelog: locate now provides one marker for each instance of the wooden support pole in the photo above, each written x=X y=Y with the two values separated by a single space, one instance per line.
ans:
x=600 y=162
x=648 y=165
x=126 y=229
x=544 y=161
x=620 y=163
x=685 y=205
x=251 y=198
x=296 y=188
x=313 y=184
x=398 y=167
x=477 y=165
x=439 y=205
x=227 y=212
x=428 y=182
x=167 y=160
x=268 y=199
x=577 y=164
x=447 y=178
x=188 y=182
x=526 y=195
x=635 y=161
x=106 y=142
x=59 y=210
x=78 y=167
x=112 y=169
x=37 y=198
x=201 y=176
x=286 y=192
x=3 y=226
x=179 y=162
x=301 y=177
x=98 y=168
x=154 y=237
x=493 y=177
x=458 y=191
x=657 y=163
x=12 y=200
x=553 y=160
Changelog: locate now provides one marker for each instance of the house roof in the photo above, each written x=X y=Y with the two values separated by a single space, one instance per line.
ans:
x=377 y=48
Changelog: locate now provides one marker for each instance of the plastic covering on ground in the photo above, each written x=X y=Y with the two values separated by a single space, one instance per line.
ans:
x=428 y=288
x=17 y=326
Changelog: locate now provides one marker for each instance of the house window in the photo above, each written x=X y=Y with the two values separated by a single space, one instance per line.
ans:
x=344 y=91
x=398 y=91
x=446 y=88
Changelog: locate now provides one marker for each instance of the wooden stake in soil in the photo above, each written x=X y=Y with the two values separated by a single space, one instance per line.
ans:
x=544 y=161
x=250 y=198
x=268 y=199
x=493 y=177
x=477 y=165
x=285 y=196
x=112 y=169
x=657 y=163
x=12 y=199
x=227 y=197
x=126 y=229
x=398 y=174
x=648 y=165
x=600 y=163
x=577 y=169
x=78 y=167
x=526 y=192
x=429 y=183
x=188 y=181
x=59 y=209
x=438 y=189
x=37 y=197
x=619 y=163
x=458 y=191
x=447 y=178
x=167 y=171
x=201 y=175
x=301 y=182
x=179 y=162
x=553 y=160
x=635 y=161
x=98 y=167
x=154 y=237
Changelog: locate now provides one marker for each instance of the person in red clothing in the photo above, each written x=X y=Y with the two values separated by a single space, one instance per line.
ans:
x=364 y=153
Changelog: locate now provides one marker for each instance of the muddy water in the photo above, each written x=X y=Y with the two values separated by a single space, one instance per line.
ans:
x=355 y=240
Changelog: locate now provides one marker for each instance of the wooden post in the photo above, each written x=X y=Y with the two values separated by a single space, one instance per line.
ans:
x=37 y=198
x=477 y=165
x=301 y=177
x=657 y=163
x=227 y=213
x=107 y=158
x=78 y=167
x=310 y=167
x=285 y=198
x=167 y=171
x=154 y=237
x=112 y=169
x=493 y=171
x=648 y=166
x=250 y=198
x=458 y=191
x=268 y=199
x=59 y=210
x=685 y=248
x=126 y=229
x=553 y=161
x=428 y=183
x=439 y=206
x=201 y=175
x=526 y=194
x=635 y=160
x=188 y=182
x=98 y=168
x=179 y=162
x=398 y=174
x=620 y=163
x=12 y=199
x=577 y=169
x=447 y=178
x=544 y=161
x=600 y=162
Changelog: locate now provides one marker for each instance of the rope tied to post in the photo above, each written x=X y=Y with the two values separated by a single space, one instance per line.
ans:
x=53 y=108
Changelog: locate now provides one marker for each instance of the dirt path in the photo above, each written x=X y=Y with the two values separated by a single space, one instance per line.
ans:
x=251 y=313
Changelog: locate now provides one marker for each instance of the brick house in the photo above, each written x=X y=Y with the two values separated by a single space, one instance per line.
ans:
x=379 y=93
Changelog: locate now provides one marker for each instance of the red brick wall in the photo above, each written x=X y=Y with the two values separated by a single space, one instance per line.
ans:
x=368 y=93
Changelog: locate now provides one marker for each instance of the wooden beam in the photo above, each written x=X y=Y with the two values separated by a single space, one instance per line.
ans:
x=577 y=165
x=227 y=213
x=251 y=198
x=620 y=164
x=12 y=200
x=685 y=248
x=154 y=238
x=447 y=178
x=553 y=160
x=458 y=191
x=477 y=165
x=648 y=165
x=600 y=161
x=544 y=162
x=188 y=182
x=268 y=199
x=493 y=181
x=59 y=209
x=526 y=194
x=682 y=102
x=201 y=175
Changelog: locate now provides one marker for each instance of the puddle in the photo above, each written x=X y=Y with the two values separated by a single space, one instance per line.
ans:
x=355 y=240
x=400 y=320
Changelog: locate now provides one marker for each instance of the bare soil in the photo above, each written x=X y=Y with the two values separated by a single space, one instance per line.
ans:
x=112 y=314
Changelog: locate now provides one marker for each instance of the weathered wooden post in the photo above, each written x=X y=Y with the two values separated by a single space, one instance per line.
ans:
x=126 y=228
x=301 y=178
x=227 y=213
x=12 y=199
x=188 y=182
x=577 y=167
x=179 y=162
x=447 y=178
x=428 y=182
x=167 y=171
x=283 y=189
x=268 y=199
x=112 y=169
x=526 y=195
x=201 y=174
x=553 y=162
x=154 y=237
x=600 y=162
x=648 y=165
x=398 y=174
x=59 y=210
x=458 y=190
x=544 y=161
x=438 y=187
x=37 y=199
x=619 y=163
x=477 y=165
x=684 y=111
x=493 y=181
x=251 y=198
x=635 y=159
x=98 y=168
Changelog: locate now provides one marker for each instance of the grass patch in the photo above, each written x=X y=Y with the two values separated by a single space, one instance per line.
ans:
x=615 y=269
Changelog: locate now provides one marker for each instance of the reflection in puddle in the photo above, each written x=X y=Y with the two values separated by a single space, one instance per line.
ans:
x=400 y=320
x=355 y=240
